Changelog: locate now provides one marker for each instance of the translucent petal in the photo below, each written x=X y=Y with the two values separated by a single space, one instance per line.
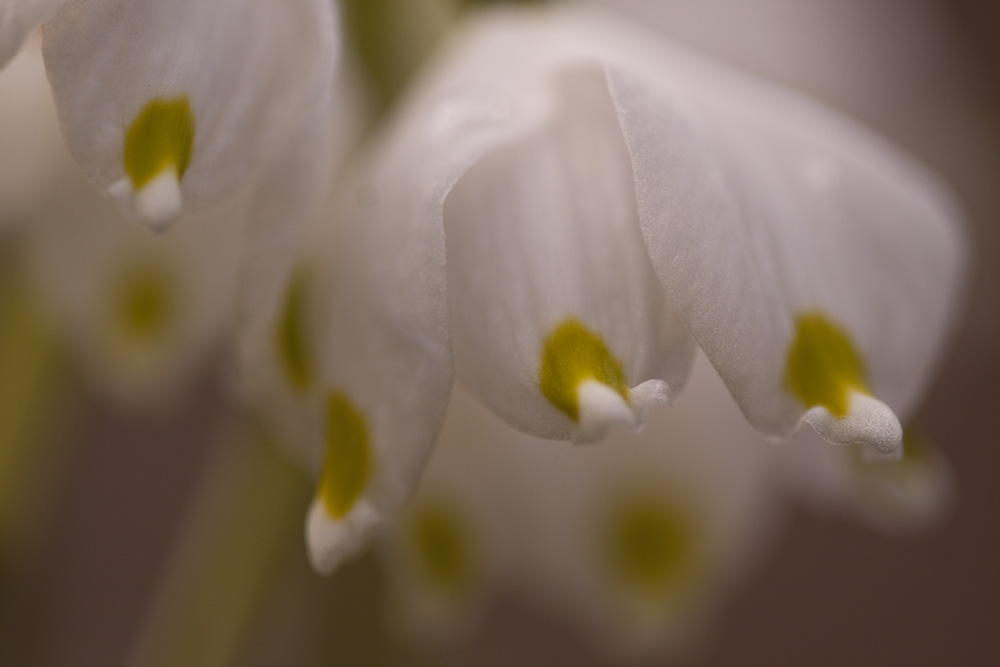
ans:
x=383 y=318
x=30 y=140
x=172 y=106
x=277 y=335
x=558 y=320
x=900 y=496
x=140 y=313
x=455 y=545
x=785 y=216
x=18 y=19
x=638 y=537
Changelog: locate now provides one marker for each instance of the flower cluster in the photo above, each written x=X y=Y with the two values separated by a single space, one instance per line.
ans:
x=567 y=218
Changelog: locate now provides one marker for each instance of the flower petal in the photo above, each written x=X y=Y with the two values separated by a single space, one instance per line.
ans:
x=18 y=19
x=896 y=497
x=383 y=297
x=140 y=312
x=558 y=320
x=640 y=536
x=814 y=265
x=455 y=544
x=172 y=106
x=29 y=135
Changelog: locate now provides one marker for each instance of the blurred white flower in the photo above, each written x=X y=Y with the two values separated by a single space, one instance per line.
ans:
x=140 y=313
x=572 y=208
x=895 y=497
x=172 y=106
x=636 y=539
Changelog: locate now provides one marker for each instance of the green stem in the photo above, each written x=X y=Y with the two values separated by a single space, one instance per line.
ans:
x=35 y=406
x=244 y=526
x=391 y=38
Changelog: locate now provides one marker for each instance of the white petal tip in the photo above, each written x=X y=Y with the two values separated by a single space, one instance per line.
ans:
x=644 y=397
x=601 y=407
x=868 y=422
x=330 y=541
x=157 y=203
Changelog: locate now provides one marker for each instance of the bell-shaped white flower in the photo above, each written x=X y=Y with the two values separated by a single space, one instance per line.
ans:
x=140 y=313
x=641 y=537
x=461 y=539
x=569 y=206
x=544 y=253
x=636 y=539
x=171 y=107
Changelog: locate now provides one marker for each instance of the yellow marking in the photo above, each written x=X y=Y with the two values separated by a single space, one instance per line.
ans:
x=571 y=354
x=653 y=547
x=348 y=456
x=290 y=335
x=823 y=366
x=442 y=547
x=161 y=136
x=145 y=305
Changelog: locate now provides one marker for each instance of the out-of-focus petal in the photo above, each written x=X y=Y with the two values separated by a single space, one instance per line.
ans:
x=382 y=309
x=29 y=135
x=454 y=545
x=895 y=497
x=141 y=313
x=18 y=19
x=170 y=107
x=640 y=536
x=277 y=333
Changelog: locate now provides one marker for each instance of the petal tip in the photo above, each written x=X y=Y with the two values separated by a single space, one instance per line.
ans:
x=601 y=407
x=868 y=422
x=330 y=542
x=157 y=203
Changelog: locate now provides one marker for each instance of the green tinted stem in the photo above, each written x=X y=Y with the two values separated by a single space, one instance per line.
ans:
x=243 y=528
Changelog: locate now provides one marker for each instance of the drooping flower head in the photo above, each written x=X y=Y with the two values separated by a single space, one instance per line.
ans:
x=567 y=208
x=172 y=106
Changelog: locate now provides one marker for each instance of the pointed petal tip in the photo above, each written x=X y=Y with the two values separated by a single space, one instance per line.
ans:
x=647 y=395
x=869 y=422
x=602 y=407
x=330 y=542
x=157 y=203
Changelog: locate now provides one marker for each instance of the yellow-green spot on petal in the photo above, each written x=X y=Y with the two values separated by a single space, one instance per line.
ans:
x=348 y=456
x=442 y=547
x=652 y=546
x=161 y=136
x=293 y=348
x=571 y=354
x=145 y=305
x=823 y=366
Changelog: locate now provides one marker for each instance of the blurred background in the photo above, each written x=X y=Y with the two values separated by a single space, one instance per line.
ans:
x=116 y=484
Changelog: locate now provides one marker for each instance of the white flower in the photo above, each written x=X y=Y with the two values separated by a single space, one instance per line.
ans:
x=636 y=539
x=571 y=208
x=139 y=312
x=172 y=106
x=895 y=497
